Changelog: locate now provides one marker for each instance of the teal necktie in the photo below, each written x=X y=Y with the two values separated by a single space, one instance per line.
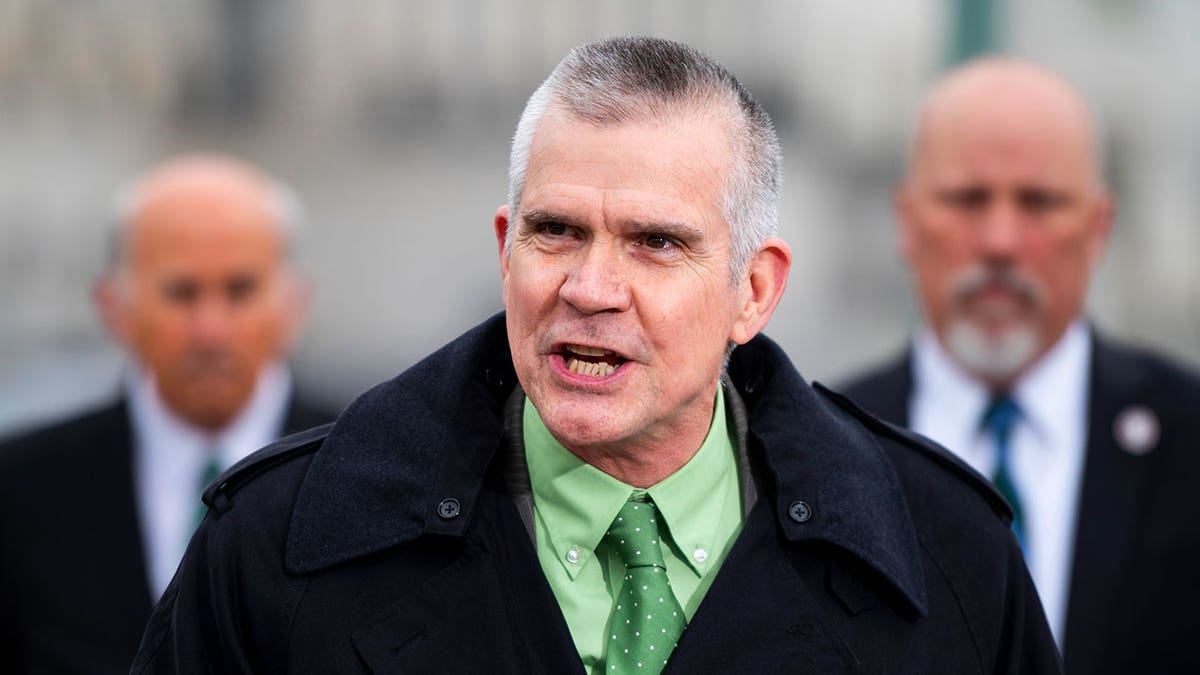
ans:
x=999 y=418
x=212 y=469
x=647 y=619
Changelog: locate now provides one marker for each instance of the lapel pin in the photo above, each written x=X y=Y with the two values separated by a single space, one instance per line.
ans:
x=1136 y=430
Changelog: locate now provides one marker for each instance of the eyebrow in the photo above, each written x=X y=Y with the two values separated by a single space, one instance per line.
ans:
x=538 y=216
x=674 y=229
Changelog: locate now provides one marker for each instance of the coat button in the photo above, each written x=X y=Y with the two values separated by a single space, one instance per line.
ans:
x=449 y=508
x=494 y=378
x=800 y=512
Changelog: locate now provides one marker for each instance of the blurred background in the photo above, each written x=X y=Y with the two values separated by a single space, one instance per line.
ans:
x=392 y=120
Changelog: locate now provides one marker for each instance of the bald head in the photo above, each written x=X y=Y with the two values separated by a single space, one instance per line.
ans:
x=1002 y=214
x=1011 y=101
x=202 y=184
x=199 y=291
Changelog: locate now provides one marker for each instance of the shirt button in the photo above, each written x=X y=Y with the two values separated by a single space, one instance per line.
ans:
x=700 y=555
x=573 y=555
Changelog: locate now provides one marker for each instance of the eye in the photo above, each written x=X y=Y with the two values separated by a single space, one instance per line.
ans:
x=1036 y=200
x=966 y=198
x=181 y=291
x=658 y=242
x=553 y=229
x=241 y=288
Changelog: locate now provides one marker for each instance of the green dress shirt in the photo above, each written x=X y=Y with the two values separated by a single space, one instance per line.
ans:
x=574 y=503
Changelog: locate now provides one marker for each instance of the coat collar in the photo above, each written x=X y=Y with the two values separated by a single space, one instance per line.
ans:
x=408 y=458
x=824 y=458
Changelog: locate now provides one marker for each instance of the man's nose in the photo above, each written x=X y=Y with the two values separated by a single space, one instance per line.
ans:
x=211 y=319
x=596 y=283
x=1000 y=231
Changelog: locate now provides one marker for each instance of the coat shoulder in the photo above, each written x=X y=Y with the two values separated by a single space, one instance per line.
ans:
x=931 y=455
x=269 y=465
x=1157 y=372
x=45 y=449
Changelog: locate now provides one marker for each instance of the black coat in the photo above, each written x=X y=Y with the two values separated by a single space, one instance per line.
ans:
x=74 y=592
x=1135 y=581
x=386 y=543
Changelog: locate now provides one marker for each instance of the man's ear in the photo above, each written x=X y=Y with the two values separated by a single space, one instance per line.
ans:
x=1100 y=227
x=298 y=299
x=501 y=224
x=110 y=304
x=766 y=279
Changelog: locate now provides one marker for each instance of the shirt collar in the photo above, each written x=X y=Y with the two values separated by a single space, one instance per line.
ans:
x=162 y=434
x=693 y=498
x=1054 y=391
x=577 y=502
x=959 y=398
x=1049 y=395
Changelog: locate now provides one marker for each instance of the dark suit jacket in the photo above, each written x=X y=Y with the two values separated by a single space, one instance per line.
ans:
x=390 y=543
x=74 y=595
x=1134 y=597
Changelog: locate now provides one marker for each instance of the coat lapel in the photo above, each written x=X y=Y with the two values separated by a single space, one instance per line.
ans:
x=758 y=616
x=490 y=611
x=1110 y=505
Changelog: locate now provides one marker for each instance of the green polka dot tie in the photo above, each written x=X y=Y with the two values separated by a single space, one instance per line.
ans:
x=647 y=619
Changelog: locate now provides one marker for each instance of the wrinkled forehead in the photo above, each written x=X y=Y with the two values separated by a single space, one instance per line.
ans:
x=686 y=156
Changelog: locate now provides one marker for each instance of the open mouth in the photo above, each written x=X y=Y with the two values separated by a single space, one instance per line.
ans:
x=591 y=361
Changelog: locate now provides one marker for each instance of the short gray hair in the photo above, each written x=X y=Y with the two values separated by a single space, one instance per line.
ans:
x=621 y=80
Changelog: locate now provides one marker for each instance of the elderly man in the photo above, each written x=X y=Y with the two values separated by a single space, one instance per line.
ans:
x=573 y=486
x=1003 y=217
x=95 y=512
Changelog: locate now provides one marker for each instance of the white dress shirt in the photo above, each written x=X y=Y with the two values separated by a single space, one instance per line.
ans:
x=1046 y=448
x=170 y=457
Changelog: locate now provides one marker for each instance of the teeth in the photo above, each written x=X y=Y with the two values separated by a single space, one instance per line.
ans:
x=592 y=369
x=588 y=351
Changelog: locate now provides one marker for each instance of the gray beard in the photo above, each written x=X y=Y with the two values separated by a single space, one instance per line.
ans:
x=996 y=359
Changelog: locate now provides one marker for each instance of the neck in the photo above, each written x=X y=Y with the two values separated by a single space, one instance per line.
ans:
x=641 y=467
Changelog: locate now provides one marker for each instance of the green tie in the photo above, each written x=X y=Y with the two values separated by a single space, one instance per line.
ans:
x=647 y=620
x=212 y=469
x=998 y=419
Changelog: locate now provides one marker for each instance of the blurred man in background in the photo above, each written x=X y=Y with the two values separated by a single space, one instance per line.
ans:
x=1003 y=218
x=96 y=511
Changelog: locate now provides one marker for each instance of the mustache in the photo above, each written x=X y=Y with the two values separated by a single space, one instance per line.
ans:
x=983 y=277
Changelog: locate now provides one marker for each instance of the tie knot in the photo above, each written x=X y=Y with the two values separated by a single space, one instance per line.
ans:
x=634 y=535
x=1001 y=414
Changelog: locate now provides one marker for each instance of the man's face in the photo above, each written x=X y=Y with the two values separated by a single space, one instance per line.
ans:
x=617 y=283
x=205 y=301
x=1002 y=221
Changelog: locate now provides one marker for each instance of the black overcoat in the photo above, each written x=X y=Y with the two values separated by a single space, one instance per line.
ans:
x=386 y=543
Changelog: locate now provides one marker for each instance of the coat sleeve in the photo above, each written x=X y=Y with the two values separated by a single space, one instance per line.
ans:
x=1026 y=645
x=195 y=627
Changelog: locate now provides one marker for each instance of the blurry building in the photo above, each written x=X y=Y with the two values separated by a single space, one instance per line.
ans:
x=393 y=118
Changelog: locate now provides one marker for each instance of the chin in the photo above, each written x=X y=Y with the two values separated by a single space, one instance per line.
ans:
x=580 y=424
x=994 y=356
